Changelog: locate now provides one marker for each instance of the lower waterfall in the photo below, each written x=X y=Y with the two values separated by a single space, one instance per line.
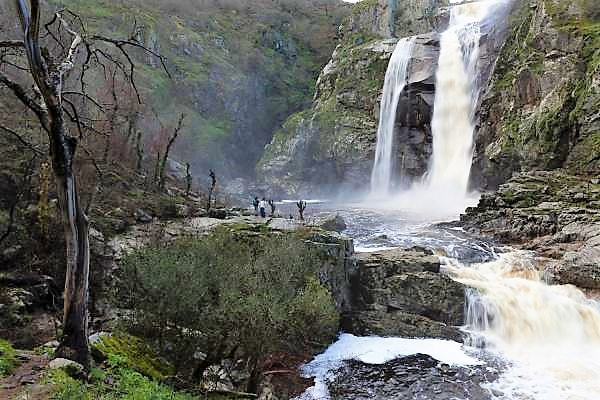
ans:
x=549 y=333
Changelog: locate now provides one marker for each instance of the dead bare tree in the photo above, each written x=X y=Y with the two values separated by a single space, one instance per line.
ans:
x=213 y=184
x=301 y=207
x=53 y=110
x=163 y=163
x=188 y=180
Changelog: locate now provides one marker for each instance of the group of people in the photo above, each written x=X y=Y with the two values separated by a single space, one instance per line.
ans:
x=261 y=206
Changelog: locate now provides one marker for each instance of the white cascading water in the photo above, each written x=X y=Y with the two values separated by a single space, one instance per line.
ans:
x=455 y=98
x=443 y=192
x=549 y=333
x=395 y=81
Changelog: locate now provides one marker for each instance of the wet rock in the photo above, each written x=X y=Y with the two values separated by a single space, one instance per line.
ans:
x=417 y=376
x=217 y=213
x=142 y=216
x=403 y=293
x=333 y=223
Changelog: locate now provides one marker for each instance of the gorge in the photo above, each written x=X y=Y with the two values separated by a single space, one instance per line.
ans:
x=428 y=174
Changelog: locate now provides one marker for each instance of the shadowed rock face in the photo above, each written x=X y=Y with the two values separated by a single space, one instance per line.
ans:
x=414 y=377
x=403 y=293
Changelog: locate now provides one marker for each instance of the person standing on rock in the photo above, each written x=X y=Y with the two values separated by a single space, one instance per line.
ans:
x=263 y=206
x=255 y=203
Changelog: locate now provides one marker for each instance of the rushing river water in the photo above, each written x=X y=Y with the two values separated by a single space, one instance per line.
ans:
x=527 y=340
x=542 y=340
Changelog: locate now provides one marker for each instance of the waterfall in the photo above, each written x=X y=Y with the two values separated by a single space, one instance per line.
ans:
x=395 y=80
x=550 y=334
x=455 y=98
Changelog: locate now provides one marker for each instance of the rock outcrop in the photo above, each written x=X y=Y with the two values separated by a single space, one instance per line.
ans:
x=418 y=376
x=540 y=111
x=553 y=213
x=403 y=293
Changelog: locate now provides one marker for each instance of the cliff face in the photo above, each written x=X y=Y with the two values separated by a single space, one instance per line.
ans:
x=541 y=108
x=334 y=140
x=239 y=68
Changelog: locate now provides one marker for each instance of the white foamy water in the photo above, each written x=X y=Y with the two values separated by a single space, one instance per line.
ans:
x=377 y=350
x=549 y=333
x=395 y=81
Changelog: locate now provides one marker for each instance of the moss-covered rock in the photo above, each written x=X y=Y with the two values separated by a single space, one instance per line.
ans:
x=131 y=352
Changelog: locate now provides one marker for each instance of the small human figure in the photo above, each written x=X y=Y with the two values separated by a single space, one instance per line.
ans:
x=273 y=207
x=263 y=206
x=255 y=203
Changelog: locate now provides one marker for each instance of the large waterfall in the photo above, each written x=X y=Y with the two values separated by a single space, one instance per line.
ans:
x=395 y=80
x=455 y=98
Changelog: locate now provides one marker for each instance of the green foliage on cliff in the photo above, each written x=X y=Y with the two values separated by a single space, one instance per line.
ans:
x=249 y=293
x=540 y=126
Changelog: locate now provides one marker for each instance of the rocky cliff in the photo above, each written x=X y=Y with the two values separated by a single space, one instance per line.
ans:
x=334 y=140
x=541 y=108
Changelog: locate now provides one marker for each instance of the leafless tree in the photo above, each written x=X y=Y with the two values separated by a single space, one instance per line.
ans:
x=49 y=67
x=163 y=162
x=301 y=207
x=213 y=184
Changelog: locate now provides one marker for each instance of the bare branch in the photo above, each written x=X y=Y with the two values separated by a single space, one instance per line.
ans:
x=20 y=139
x=12 y=44
x=29 y=102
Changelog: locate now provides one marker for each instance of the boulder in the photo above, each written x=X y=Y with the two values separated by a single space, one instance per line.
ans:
x=72 y=368
x=403 y=293
x=217 y=213
x=333 y=223
x=142 y=216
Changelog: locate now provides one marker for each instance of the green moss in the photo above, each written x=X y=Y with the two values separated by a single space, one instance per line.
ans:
x=125 y=384
x=8 y=358
x=131 y=352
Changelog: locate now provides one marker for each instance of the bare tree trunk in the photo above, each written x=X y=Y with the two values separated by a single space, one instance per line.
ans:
x=48 y=78
x=163 y=164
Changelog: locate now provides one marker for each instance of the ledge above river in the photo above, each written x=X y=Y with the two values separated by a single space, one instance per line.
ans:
x=403 y=293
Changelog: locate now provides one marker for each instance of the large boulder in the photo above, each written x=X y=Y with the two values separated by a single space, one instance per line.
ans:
x=403 y=293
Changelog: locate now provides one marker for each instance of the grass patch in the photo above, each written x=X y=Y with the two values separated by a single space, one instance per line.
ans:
x=8 y=358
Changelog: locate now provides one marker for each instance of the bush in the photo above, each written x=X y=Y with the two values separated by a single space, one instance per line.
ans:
x=249 y=293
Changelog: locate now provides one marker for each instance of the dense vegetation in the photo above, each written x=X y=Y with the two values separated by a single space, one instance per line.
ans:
x=227 y=295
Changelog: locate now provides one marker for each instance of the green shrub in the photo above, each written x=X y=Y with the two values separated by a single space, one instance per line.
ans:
x=252 y=293
x=8 y=358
